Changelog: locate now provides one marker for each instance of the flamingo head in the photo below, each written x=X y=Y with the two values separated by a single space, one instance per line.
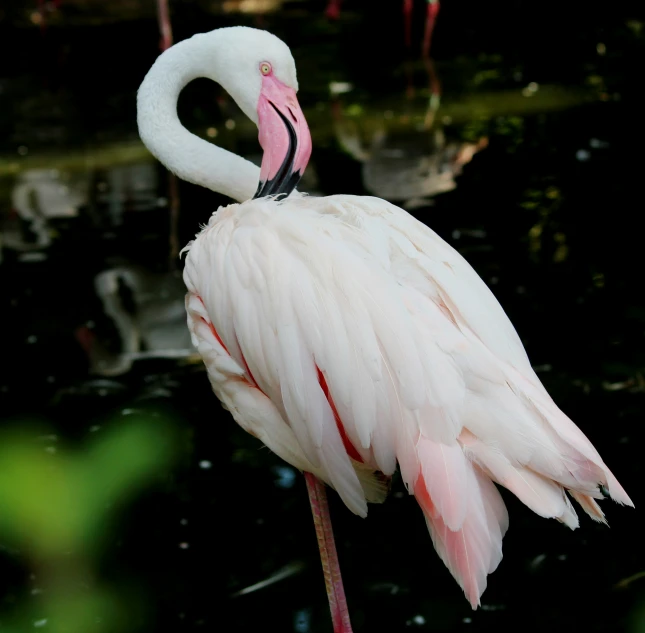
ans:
x=259 y=72
x=284 y=135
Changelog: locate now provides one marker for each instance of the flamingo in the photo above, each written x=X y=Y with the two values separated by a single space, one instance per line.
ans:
x=332 y=11
x=348 y=336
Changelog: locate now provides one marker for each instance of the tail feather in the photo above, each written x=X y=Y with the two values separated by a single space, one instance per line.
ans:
x=616 y=491
x=544 y=496
x=474 y=550
x=588 y=468
x=496 y=517
x=589 y=505
x=465 y=513
x=445 y=472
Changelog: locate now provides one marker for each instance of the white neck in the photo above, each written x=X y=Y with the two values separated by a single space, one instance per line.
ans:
x=191 y=158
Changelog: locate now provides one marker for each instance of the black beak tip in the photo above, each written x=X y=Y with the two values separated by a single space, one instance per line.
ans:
x=258 y=191
x=285 y=180
x=281 y=187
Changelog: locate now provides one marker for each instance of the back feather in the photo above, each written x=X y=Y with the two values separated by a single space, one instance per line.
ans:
x=348 y=337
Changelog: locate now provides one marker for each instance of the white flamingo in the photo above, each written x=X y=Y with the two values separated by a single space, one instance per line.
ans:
x=347 y=336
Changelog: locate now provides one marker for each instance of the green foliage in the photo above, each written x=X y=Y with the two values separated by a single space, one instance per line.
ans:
x=57 y=509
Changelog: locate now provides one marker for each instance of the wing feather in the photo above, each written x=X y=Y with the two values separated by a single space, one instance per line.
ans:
x=419 y=364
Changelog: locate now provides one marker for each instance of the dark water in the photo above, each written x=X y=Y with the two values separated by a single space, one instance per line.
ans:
x=549 y=101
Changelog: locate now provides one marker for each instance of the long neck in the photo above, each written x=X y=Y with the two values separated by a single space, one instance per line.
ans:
x=191 y=158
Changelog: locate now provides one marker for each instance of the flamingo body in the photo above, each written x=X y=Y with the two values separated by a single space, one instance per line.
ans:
x=321 y=319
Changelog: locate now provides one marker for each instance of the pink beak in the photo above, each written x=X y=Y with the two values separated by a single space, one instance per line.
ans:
x=284 y=137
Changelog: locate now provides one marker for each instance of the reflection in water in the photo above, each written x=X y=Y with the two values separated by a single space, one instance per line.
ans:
x=42 y=195
x=302 y=621
x=127 y=188
x=405 y=161
x=287 y=571
x=42 y=198
x=251 y=6
x=409 y=166
x=147 y=310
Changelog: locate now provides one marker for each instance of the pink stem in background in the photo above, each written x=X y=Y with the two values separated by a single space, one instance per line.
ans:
x=407 y=22
x=333 y=9
x=435 y=93
x=328 y=555
x=431 y=20
x=434 y=83
x=163 y=14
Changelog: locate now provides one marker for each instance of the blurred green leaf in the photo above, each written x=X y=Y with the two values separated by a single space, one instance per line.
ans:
x=51 y=502
x=56 y=506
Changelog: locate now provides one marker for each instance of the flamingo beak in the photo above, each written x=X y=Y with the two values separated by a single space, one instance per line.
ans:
x=284 y=137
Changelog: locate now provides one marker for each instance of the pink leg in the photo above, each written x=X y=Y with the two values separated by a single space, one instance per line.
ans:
x=434 y=83
x=163 y=14
x=328 y=555
x=333 y=9
x=407 y=22
x=431 y=20
x=435 y=93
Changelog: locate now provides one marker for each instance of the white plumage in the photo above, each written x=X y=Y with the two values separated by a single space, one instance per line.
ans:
x=420 y=360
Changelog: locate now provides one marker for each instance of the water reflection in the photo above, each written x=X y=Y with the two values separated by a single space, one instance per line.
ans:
x=292 y=569
x=39 y=198
x=302 y=621
x=125 y=188
x=409 y=166
x=250 y=6
x=148 y=314
x=45 y=202
x=405 y=158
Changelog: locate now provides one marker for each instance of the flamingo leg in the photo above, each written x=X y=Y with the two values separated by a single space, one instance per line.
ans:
x=431 y=20
x=328 y=554
x=163 y=15
x=435 y=93
x=333 y=9
x=407 y=22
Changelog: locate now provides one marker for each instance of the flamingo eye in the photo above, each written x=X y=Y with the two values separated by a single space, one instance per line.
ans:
x=265 y=68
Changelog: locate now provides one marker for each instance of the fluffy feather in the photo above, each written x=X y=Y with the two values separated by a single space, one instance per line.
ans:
x=324 y=321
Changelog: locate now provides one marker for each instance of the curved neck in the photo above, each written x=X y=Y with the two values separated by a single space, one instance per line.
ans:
x=191 y=158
